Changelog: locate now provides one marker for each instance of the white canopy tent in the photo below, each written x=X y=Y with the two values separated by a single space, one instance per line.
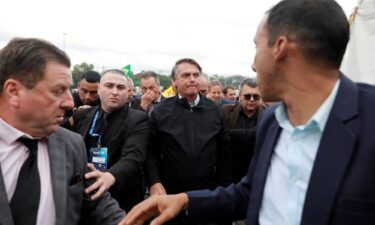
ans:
x=359 y=59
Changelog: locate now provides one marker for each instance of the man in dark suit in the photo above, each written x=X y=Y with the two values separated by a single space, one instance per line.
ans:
x=86 y=94
x=42 y=165
x=314 y=160
x=122 y=132
x=150 y=88
x=241 y=121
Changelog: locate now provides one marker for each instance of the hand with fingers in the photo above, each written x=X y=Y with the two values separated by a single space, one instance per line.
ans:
x=157 y=189
x=147 y=99
x=164 y=207
x=103 y=181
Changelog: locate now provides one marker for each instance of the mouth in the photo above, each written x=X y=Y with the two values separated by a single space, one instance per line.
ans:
x=59 y=119
x=113 y=99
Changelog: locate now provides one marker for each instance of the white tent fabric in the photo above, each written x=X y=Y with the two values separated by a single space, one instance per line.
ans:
x=359 y=59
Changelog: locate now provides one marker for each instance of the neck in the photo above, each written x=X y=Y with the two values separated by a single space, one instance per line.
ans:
x=305 y=96
x=190 y=98
x=249 y=113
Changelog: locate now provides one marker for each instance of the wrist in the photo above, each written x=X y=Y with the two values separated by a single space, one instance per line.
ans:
x=111 y=179
x=185 y=200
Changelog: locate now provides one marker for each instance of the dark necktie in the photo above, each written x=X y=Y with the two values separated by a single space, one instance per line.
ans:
x=25 y=201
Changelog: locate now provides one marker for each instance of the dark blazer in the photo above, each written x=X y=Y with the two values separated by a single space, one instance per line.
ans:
x=67 y=157
x=342 y=183
x=126 y=138
x=188 y=147
x=136 y=103
x=242 y=139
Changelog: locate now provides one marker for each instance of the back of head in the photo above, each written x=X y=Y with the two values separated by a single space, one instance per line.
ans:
x=319 y=27
x=25 y=59
x=91 y=76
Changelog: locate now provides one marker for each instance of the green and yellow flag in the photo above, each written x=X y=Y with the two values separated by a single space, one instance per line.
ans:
x=127 y=70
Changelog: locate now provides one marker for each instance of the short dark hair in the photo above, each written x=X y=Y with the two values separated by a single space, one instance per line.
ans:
x=319 y=27
x=248 y=82
x=184 y=60
x=91 y=76
x=226 y=88
x=147 y=75
x=115 y=71
x=25 y=60
x=215 y=83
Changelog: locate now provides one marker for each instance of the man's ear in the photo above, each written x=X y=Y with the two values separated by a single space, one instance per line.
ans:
x=13 y=89
x=280 y=48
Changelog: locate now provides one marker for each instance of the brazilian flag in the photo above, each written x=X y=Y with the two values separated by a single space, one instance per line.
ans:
x=127 y=70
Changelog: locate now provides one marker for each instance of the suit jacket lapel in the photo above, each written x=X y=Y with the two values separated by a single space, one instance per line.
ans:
x=5 y=213
x=260 y=175
x=56 y=150
x=334 y=154
x=85 y=123
x=115 y=125
x=234 y=112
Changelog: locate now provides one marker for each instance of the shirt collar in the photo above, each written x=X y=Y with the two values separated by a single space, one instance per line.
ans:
x=192 y=104
x=10 y=134
x=319 y=118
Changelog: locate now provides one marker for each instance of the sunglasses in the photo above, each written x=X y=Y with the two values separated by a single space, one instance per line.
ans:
x=255 y=97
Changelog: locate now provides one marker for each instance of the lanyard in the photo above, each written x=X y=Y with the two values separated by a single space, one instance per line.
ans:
x=91 y=132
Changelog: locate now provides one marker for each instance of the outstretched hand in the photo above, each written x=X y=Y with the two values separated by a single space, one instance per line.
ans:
x=164 y=207
x=103 y=181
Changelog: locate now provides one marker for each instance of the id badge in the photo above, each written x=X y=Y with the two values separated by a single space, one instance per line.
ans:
x=99 y=157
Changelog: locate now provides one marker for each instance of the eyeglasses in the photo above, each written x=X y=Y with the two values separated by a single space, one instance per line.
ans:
x=255 y=97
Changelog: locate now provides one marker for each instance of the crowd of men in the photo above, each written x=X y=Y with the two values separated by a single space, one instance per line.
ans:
x=202 y=156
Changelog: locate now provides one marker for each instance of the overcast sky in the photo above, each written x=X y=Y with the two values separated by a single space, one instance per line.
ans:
x=148 y=34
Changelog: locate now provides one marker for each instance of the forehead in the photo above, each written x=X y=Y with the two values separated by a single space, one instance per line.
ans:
x=215 y=88
x=249 y=90
x=187 y=68
x=148 y=81
x=87 y=85
x=55 y=71
x=114 y=78
x=262 y=32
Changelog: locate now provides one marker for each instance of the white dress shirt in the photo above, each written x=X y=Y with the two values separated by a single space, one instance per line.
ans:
x=12 y=156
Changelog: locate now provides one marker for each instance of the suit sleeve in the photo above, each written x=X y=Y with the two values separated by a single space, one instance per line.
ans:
x=153 y=154
x=105 y=209
x=225 y=162
x=133 y=151
x=221 y=204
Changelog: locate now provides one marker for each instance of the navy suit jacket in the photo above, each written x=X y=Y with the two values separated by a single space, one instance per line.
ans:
x=341 y=189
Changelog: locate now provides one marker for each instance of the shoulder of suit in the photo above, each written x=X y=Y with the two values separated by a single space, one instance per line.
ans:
x=136 y=113
x=229 y=107
x=66 y=134
x=86 y=110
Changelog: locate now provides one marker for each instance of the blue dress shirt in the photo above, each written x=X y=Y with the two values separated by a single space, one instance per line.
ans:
x=291 y=165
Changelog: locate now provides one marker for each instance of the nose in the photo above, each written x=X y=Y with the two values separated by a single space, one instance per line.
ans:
x=68 y=103
x=87 y=95
x=114 y=91
x=253 y=67
x=193 y=78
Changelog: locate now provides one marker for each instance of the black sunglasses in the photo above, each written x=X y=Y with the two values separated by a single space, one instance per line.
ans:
x=247 y=97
